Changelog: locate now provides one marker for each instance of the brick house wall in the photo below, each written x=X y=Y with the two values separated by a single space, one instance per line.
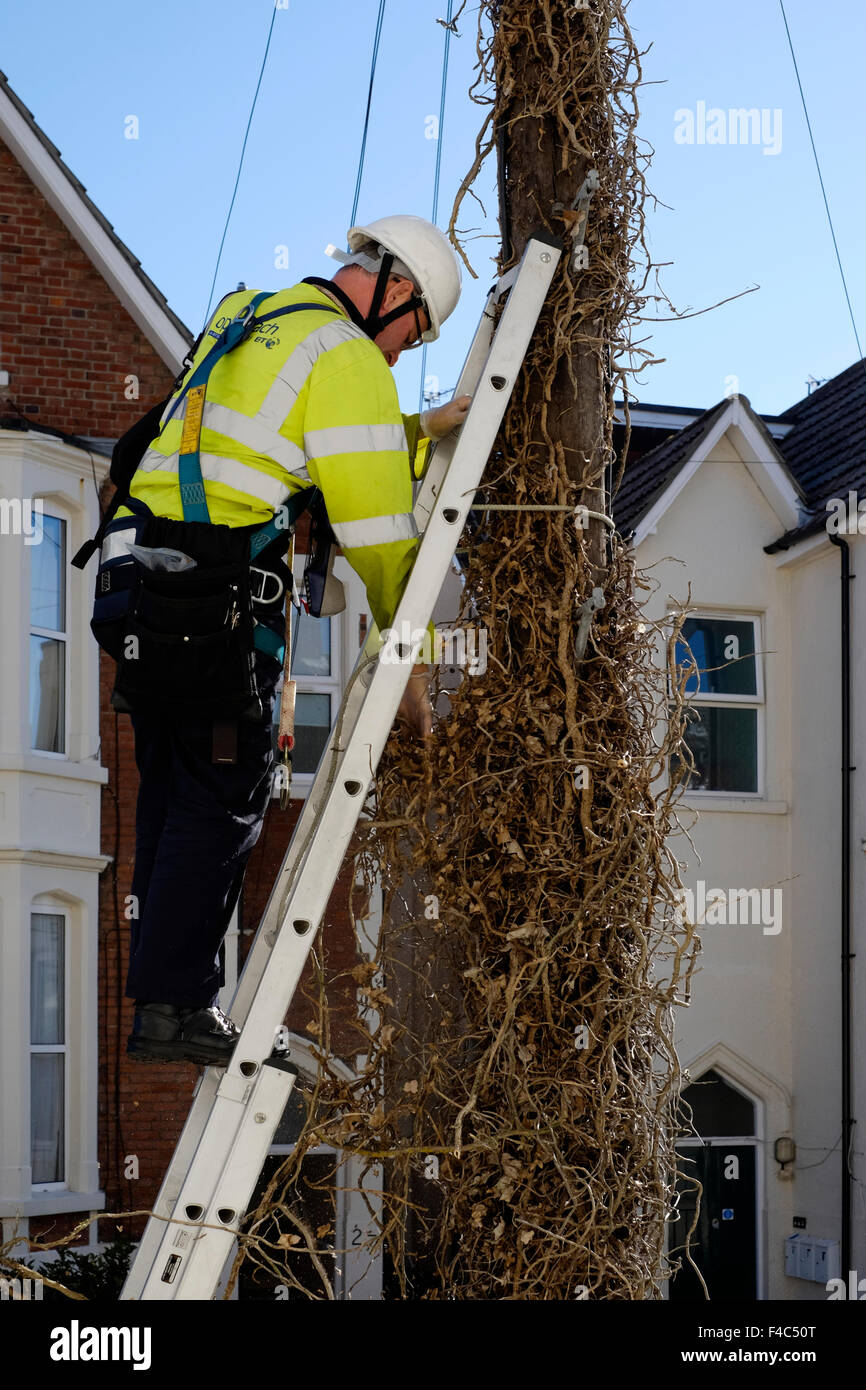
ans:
x=66 y=341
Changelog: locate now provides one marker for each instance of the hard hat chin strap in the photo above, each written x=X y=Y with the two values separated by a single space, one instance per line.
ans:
x=374 y=322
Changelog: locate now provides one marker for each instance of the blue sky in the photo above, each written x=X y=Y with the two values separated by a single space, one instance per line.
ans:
x=733 y=216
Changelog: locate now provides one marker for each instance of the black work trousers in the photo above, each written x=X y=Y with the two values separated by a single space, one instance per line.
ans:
x=196 y=824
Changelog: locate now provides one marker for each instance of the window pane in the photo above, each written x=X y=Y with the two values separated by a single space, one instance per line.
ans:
x=724 y=650
x=312 y=730
x=46 y=1116
x=717 y=1109
x=313 y=1197
x=724 y=745
x=312 y=646
x=294 y=1118
x=48 y=574
x=47 y=717
x=46 y=978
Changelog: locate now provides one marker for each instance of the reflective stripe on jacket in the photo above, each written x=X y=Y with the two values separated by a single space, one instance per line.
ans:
x=307 y=401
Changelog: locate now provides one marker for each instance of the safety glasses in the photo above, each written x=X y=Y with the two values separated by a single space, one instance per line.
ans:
x=417 y=341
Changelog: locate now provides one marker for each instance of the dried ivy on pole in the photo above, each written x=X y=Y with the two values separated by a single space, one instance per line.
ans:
x=518 y=1093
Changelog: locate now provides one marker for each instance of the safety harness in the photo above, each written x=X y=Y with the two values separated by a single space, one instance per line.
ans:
x=192 y=492
x=112 y=583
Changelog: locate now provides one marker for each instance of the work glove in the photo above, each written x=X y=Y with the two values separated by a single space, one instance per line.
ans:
x=435 y=424
x=415 y=707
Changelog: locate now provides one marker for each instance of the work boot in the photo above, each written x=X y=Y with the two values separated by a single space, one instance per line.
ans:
x=170 y=1033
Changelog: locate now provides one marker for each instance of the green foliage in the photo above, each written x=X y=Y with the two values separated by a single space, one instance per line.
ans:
x=97 y=1276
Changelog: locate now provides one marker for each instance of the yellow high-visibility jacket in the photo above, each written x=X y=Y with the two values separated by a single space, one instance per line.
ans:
x=308 y=400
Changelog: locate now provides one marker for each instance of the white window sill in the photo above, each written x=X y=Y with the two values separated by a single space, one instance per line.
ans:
x=54 y=765
x=749 y=805
x=52 y=1203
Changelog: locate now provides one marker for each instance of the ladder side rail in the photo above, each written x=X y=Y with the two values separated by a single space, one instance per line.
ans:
x=442 y=451
x=236 y=1153
x=440 y=461
x=169 y=1191
x=343 y=801
x=205 y=1096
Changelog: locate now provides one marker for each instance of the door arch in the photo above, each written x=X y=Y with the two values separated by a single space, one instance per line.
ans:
x=723 y=1156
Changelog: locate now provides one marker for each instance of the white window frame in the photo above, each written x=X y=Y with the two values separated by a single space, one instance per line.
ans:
x=52 y=910
x=316 y=685
x=756 y=702
x=56 y=514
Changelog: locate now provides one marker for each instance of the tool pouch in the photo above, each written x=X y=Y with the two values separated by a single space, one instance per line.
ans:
x=114 y=582
x=325 y=594
x=187 y=649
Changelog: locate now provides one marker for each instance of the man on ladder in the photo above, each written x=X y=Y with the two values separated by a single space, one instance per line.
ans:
x=300 y=398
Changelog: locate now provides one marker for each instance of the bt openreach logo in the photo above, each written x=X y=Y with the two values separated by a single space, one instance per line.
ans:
x=737 y=126
x=731 y=907
x=459 y=646
x=21 y=516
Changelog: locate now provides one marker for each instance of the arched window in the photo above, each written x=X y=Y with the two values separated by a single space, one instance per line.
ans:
x=718 y=1109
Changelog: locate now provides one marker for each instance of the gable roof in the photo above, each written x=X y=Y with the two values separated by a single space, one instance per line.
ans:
x=41 y=161
x=826 y=447
x=648 y=415
x=645 y=480
x=653 y=481
x=821 y=441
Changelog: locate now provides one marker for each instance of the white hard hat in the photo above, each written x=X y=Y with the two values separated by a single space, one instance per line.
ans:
x=421 y=252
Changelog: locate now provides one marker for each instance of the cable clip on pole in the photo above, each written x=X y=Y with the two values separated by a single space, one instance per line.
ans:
x=576 y=217
x=585 y=613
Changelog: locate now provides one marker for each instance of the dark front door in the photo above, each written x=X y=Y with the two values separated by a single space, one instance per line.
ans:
x=287 y=1263
x=723 y=1244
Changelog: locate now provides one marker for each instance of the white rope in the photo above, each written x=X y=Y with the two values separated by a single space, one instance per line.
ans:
x=545 y=507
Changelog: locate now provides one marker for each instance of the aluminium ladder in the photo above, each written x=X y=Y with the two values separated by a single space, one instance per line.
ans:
x=220 y=1154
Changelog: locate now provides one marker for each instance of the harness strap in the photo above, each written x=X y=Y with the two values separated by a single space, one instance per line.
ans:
x=269 y=642
x=192 y=493
x=241 y=327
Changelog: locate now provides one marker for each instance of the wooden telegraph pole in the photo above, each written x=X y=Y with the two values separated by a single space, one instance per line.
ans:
x=545 y=180
x=552 y=867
